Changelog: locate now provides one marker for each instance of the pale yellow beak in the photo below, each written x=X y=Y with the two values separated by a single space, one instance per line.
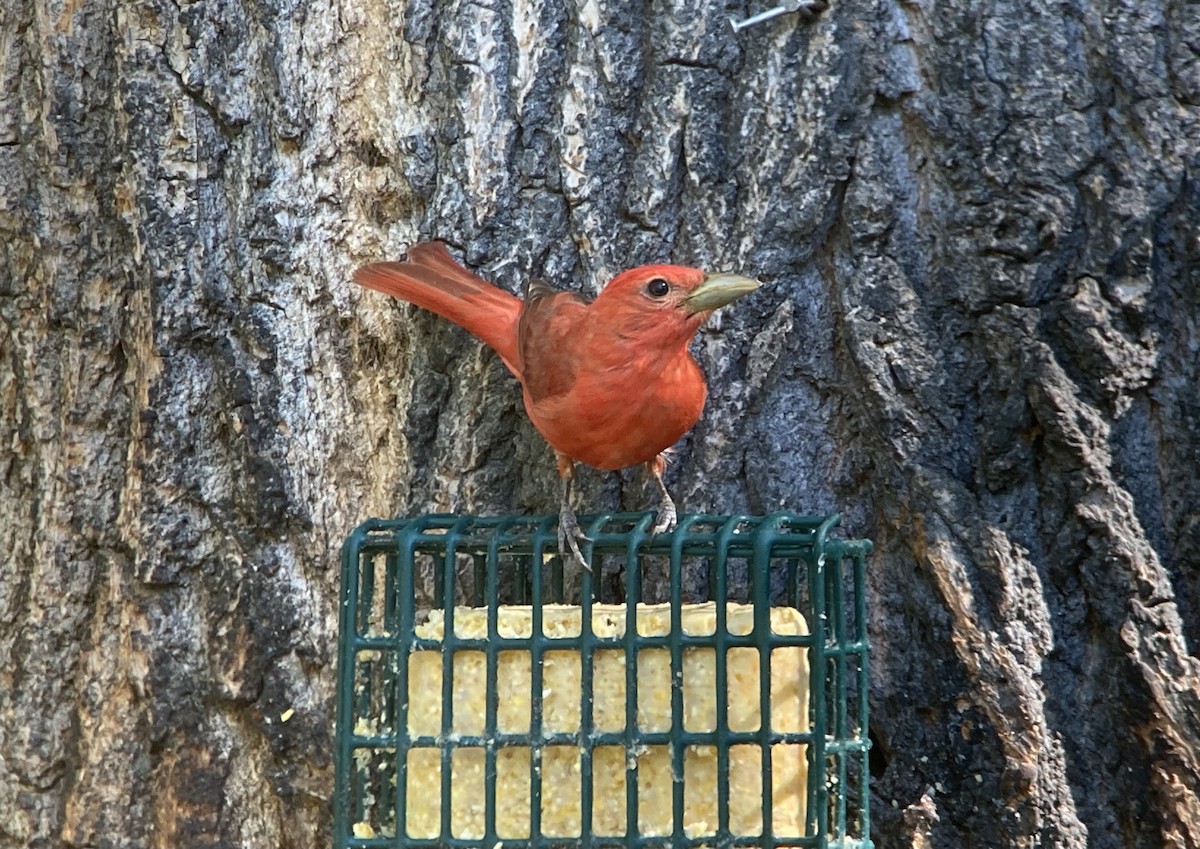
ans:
x=719 y=289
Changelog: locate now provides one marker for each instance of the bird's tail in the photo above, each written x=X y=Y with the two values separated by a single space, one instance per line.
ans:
x=430 y=278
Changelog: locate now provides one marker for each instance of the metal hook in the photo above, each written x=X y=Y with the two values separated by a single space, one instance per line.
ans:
x=808 y=8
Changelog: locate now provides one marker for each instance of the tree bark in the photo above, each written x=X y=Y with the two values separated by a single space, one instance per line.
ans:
x=978 y=341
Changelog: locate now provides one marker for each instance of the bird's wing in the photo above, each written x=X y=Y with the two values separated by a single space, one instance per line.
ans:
x=551 y=334
x=430 y=278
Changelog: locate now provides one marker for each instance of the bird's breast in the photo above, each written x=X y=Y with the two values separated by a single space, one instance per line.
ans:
x=614 y=418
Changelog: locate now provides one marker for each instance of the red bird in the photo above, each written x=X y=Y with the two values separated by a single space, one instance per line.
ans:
x=608 y=383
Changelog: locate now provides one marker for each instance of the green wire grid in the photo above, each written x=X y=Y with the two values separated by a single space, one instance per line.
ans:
x=395 y=571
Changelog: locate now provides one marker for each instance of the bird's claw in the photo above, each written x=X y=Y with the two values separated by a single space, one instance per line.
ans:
x=666 y=507
x=667 y=518
x=568 y=534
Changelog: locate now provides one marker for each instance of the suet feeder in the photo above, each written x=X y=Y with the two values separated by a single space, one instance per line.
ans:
x=488 y=697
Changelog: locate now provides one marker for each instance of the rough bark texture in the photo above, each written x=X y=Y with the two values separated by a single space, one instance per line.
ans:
x=979 y=340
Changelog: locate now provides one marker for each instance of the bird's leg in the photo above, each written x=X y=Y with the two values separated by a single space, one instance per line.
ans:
x=568 y=527
x=666 y=507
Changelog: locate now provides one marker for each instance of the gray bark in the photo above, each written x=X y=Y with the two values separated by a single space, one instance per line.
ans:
x=978 y=341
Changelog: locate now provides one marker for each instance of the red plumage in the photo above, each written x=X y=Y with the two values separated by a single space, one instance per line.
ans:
x=609 y=383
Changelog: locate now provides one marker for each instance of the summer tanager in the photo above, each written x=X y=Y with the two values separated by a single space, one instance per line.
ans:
x=608 y=383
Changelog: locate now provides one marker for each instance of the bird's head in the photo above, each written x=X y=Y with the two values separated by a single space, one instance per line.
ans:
x=668 y=302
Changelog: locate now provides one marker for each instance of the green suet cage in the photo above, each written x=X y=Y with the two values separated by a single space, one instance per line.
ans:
x=704 y=687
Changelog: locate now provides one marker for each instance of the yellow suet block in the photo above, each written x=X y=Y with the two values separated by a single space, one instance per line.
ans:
x=561 y=764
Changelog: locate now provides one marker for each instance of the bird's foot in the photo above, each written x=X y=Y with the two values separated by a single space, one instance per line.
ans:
x=666 y=516
x=568 y=534
x=666 y=507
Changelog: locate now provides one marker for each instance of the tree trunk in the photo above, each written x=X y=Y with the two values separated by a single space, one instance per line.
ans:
x=978 y=341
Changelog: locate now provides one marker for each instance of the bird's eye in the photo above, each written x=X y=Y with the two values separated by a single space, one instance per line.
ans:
x=658 y=288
